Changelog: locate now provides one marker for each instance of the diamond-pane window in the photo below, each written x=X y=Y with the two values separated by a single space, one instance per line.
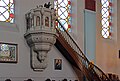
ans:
x=63 y=12
x=7 y=11
x=106 y=10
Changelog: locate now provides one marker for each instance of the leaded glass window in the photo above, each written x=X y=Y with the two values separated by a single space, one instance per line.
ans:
x=63 y=12
x=7 y=11
x=106 y=21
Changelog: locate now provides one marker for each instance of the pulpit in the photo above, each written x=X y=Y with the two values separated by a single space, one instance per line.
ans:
x=40 y=35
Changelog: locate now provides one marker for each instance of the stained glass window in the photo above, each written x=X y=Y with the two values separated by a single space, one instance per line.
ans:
x=63 y=12
x=106 y=21
x=7 y=11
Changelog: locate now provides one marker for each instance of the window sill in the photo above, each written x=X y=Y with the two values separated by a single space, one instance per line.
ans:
x=8 y=27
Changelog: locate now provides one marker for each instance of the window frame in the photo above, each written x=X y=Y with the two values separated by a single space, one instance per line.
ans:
x=10 y=9
x=106 y=31
x=7 y=26
x=68 y=19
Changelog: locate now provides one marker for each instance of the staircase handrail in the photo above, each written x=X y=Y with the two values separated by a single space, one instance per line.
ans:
x=93 y=67
x=97 y=70
x=72 y=39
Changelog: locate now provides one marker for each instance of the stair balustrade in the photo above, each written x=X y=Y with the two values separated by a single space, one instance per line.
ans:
x=93 y=70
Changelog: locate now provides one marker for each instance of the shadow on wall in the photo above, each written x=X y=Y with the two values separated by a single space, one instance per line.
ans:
x=45 y=80
x=7 y=80
x=60 y=80
x=29 y=80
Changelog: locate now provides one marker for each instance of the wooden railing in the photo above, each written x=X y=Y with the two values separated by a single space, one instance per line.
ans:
x=91 y=71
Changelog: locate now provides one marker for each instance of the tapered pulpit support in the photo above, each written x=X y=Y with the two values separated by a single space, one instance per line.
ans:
x=40 y=35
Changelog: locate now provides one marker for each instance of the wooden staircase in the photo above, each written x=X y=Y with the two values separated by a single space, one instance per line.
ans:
x=68 y=47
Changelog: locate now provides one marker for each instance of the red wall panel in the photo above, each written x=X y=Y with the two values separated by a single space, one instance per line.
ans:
x=90 y=5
